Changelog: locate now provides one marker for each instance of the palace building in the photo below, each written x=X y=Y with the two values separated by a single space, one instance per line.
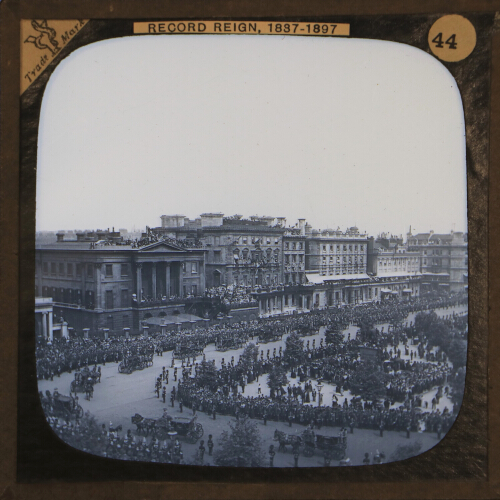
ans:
x=109 y=284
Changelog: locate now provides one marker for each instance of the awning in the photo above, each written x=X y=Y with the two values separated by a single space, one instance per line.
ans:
x=444 y=284
x=319 y=280
x=385 y=290
x=407 y=290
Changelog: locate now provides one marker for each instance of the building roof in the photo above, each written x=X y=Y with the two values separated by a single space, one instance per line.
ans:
x=397 y=274
x=319 y=280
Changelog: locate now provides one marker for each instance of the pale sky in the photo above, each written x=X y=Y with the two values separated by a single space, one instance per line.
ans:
x=340 y=132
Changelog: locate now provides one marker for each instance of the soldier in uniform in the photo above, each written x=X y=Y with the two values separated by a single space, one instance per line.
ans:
x=271 y=455
x=201 y=450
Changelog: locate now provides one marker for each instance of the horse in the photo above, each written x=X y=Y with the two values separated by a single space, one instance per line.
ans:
x=145 y=425
x=286 y=439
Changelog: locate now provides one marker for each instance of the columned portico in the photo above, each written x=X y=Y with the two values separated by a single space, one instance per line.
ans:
x=153 y=280
x=44 y=325
x=139 y=282
x=167 y=279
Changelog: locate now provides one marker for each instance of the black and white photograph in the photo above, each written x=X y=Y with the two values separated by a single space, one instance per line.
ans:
x=244 y=247
x=251 y=251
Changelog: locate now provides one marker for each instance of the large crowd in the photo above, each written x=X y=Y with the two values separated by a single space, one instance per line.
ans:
x=65 y=355
x=232 y=295
x=385 y=395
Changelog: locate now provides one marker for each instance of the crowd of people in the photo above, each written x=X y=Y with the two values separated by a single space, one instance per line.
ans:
x=87 y=435
x=386 y=392
x=232 y=295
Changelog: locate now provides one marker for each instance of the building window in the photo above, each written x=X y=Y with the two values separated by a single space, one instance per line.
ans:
x=217 y=256
x=45 y=268
x=61 y=269
x=109 y=299
x=124 y=298
x=286 y=246
x=194 y=267
x=70 y=269
x=126 y=321
x=109 y=270
x=78 y=270
x=194 y=289
x=124 y=270
x=90 y=272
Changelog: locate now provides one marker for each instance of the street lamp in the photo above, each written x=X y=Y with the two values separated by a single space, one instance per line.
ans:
x=319 y=386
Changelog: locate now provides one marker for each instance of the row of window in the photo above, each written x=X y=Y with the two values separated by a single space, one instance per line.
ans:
x=256 y=240
x=344 y=248
x=293 y=245
x=70 y=269
x=344 y=260
x=294 y=258
x=339 y=271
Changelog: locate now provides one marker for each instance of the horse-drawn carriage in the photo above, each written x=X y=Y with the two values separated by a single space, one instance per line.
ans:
x=229 y=343
x=160 y=428
x=65 y=406
x=135 y=362
x=83 y=382
x=333 y=447
x=268 y=334
x=187 y=349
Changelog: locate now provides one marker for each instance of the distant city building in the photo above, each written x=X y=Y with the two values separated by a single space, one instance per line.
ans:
x=443 y=260
x=334 y=252
x=106 y=283
x=109 y=280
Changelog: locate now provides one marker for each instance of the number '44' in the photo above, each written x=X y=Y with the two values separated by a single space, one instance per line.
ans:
x=438 y=40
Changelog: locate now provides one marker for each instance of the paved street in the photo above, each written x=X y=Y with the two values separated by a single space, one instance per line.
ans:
x=119 y=396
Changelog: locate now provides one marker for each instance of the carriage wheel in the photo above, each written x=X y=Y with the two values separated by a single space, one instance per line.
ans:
x=192 y=437
x=308 y=451
x=199 y=430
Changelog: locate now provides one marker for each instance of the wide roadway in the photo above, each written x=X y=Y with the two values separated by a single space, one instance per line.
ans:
x=119 y=396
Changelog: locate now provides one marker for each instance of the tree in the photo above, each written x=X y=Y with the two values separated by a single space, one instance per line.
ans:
x=249 y=356
x=457 y=352
x=369 y=381
x=423 y=322
x=241 y=446
x=404 y=451
x=277 y=378
x=294 y=350
x=207 y=375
